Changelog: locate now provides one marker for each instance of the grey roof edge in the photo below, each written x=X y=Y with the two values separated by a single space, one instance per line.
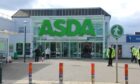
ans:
x=14 y=15
x=105 y=12
x=20 y=10
x=20 y=16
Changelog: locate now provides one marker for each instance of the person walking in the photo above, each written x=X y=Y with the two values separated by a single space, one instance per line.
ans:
x=134 y=54
x=110 y=54
x=37 y=54
x=47 y=53
x=131 y=53
x=43 y=56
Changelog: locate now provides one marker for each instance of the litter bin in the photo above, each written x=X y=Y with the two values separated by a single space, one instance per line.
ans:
x=15 y=55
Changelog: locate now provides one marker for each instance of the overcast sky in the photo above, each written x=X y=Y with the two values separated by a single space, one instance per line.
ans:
x=123 y=12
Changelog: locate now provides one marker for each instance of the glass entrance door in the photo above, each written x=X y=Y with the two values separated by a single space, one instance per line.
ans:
x=93 y=53
x=53 y=49
x=58 y=50
x=99 y=50
x=65 y=49
x=86 y=48
x=74 y=53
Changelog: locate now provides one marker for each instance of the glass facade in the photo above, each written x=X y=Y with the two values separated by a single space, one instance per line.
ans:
x=86 y=46
x=20 y=48
x=74 y=49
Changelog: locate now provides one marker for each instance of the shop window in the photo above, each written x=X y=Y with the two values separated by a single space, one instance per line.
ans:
x=19 y=48
x=64 y=11
x=58 y=12
x=21 y=30
x=27 y=49
x=2 y=47
x=11 y=48
x=70 y=11
x=99 y=49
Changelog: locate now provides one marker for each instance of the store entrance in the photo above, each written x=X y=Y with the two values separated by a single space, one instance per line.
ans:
x=65 y=49
x=75 y=49
x=53 y=49
x=59 y=49
x=86 y=49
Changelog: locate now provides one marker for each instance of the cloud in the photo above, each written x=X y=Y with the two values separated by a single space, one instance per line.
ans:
x=129 y=23
x=6 y=13
x=16 y=4
x=123 y=12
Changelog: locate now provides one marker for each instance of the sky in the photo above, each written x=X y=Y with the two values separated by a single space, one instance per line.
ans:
x=123 y=12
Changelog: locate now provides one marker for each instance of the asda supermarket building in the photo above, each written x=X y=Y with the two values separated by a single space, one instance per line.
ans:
x=68 y=33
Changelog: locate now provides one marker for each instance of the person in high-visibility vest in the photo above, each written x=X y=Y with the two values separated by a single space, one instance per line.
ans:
x=131 y=53
x=134 y=54
x=110 y=54
x=138 y=56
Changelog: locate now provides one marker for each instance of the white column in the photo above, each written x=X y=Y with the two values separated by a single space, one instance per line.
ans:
x=8 y=46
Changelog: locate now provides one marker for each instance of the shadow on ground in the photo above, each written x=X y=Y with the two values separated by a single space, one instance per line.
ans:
x=17 y=71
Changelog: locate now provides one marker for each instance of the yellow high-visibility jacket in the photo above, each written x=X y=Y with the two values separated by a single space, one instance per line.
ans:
x=138 y=54
x=134 y=51
x=112 y=54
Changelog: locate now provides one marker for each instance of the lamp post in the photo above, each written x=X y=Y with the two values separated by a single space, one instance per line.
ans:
x=25 y=22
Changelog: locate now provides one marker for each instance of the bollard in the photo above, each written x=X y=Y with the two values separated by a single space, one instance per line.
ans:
x=126 y=73
x=0 y=72
x=92 y=73
x=30 y=72
x=60 y=73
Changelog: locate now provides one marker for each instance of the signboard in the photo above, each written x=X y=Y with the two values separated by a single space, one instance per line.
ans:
x=68 y=27
x=133 y=38
x=11 y=48
x=19 y=48
x=27 y=49
x=117 y=31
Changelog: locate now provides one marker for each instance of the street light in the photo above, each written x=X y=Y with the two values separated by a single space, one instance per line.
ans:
x=25 y=22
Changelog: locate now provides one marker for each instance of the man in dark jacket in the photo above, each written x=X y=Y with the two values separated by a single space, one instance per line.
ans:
x=37 y=54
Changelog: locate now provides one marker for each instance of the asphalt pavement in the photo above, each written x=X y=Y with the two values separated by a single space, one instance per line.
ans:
x=76 y=71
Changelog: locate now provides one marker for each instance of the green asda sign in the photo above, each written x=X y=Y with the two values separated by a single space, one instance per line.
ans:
x=68 y=27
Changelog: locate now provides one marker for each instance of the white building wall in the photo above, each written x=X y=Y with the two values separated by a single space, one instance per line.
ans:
x=22 y=23
x=8 y=25
x=126 y=52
